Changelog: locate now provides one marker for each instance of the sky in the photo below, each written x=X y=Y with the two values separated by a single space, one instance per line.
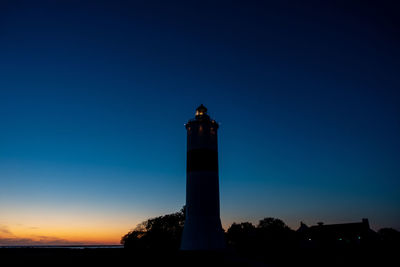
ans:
x=94 y=96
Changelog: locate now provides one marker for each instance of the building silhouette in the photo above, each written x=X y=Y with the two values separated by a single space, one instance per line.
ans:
x=202 y=229
x=337 y=234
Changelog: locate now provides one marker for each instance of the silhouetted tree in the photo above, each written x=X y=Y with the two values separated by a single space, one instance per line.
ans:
x=163 y=233
x=241 y=236
x=389 y=237
x=270 y=238
x=272 y=224
x=274 y=236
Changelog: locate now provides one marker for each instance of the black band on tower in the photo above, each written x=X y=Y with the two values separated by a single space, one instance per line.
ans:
x=202 y=160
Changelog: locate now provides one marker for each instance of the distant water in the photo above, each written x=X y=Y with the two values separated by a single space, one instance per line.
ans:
x=65 y=247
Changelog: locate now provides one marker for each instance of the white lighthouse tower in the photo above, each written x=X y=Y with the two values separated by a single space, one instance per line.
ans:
x=202 y=230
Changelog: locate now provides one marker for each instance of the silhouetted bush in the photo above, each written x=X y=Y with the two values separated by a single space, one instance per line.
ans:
x=389 y=237
x=274 y=234
x=160 y=233
x=270 y=236
x=241 y=236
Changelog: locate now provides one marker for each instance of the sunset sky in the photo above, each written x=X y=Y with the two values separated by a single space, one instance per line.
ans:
x=94 y=96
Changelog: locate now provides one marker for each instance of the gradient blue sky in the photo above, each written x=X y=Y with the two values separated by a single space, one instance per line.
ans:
x=94 y=95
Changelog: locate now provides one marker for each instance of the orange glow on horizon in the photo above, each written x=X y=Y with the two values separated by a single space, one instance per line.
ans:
x=62 y=235
x=57 y=228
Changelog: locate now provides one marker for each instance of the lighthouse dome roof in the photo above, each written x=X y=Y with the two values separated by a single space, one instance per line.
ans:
x=201 y=110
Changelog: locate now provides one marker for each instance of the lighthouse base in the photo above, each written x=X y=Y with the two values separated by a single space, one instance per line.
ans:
x=203 y=233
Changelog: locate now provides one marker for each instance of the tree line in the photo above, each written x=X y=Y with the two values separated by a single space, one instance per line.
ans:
x=270 y=234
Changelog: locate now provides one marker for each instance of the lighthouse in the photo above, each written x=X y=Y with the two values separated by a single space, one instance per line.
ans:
x=202 y=229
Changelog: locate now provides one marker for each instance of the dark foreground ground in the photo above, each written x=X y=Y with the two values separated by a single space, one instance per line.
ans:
x=112 y=257
x=122 y=257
